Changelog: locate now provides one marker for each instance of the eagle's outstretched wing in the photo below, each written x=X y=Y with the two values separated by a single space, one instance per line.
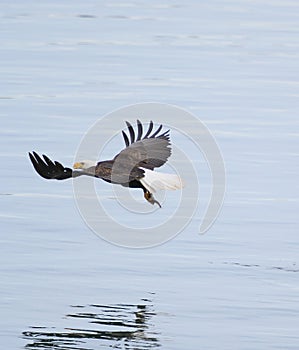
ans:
x=53 y=170
x=148 y=151
x=48 y=169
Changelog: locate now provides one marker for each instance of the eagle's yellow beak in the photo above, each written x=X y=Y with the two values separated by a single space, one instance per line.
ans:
x=78 y=165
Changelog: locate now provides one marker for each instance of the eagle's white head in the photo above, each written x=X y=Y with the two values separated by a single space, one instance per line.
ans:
x=84 y=164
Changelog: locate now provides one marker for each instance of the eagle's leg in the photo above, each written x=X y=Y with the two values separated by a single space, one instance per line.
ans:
x=150 y=198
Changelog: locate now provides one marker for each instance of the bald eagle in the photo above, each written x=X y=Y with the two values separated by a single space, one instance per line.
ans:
x=133 y=167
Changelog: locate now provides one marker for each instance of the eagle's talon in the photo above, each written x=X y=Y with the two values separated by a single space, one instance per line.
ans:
x=150 y=198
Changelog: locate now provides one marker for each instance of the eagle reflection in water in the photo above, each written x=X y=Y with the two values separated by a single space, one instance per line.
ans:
x=89 y=327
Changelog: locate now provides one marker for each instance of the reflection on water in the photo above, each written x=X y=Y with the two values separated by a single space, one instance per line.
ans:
x=121 y=326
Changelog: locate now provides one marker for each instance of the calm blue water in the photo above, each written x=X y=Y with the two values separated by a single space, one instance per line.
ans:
x=234 y=64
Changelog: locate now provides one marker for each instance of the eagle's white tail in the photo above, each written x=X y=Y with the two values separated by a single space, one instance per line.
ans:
x=154 y=181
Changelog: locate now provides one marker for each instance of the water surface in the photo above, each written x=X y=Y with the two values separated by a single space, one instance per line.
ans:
x=233 y=64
